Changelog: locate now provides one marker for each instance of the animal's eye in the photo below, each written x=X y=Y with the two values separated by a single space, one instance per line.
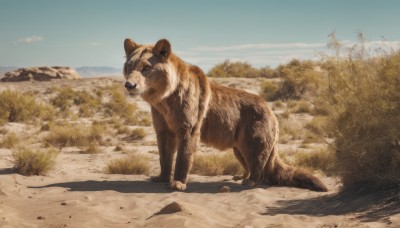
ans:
x=146 y=68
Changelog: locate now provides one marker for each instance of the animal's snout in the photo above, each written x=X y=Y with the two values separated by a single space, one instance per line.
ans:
x=130 y=86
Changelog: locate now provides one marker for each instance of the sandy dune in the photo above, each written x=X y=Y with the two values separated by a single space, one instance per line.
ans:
x=77 y=193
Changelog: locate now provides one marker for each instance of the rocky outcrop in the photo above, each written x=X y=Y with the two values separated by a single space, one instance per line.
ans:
x=40 y=74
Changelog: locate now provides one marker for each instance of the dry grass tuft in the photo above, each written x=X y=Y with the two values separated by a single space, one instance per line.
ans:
x=93 y=148
x=300 y=106
x=72 y=135
x=323 y=160
x=9 y=141
x=220 y=164
x=19 y=107
x=29 y=162
x=123 y=130
x=131 y=164
x=138 y=134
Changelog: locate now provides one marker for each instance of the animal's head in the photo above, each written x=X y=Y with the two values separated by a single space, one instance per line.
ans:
x=149 y=71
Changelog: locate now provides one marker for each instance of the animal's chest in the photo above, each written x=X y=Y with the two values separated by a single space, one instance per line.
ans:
x=176 y=117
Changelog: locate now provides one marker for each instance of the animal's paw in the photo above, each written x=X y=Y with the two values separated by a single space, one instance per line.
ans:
x=177 y=185
x=249 y=183
x=158 y=179
x=237 y=178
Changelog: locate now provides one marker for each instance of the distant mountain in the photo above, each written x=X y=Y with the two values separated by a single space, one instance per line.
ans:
x=84 y=71
x=4 y=69
x=93 y=71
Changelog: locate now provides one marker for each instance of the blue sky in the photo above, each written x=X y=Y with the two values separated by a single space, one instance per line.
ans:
x=91 y=32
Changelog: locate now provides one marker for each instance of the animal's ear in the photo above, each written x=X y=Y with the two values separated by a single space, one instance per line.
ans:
x=162 y=48
x=130 y=46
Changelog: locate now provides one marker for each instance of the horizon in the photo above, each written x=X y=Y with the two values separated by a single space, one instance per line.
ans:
x=264 y=33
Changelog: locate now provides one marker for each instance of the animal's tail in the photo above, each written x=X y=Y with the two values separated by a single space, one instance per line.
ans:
x=279 y=173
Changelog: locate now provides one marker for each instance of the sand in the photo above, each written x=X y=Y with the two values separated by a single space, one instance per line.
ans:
x=77 y=193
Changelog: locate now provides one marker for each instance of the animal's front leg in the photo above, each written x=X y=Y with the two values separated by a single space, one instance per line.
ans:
x=167 y=147
x=187 y=148
x=166 y=142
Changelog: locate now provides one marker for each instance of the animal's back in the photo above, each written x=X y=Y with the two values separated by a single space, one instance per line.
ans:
x=232 y=112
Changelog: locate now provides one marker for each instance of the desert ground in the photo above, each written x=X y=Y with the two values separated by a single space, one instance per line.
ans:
x=77 y=192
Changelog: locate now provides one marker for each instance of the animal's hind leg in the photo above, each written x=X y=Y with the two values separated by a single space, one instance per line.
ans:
x=239 y=156
x=256 y=159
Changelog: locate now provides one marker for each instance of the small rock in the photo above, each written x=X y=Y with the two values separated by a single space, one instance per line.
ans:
x=224 y=189
x=121 y=208
x=171 y=208
x=41 y=217
x=63 y=203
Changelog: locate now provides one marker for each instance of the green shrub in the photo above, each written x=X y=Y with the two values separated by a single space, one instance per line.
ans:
x=30 y=162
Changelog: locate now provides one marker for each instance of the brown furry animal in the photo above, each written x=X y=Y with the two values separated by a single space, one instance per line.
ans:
x=186 y=107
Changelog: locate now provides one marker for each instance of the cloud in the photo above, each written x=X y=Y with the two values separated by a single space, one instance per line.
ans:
x=260 y=46
x=30 y=39
x=273 y=54
x=95 y=44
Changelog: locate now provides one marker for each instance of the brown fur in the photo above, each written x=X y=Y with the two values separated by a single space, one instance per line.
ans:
x=186 y=107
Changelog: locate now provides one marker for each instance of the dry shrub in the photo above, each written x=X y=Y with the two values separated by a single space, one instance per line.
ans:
x=319 y=125
x=300 y=106
x=118 y=148
x=233 y=69
x=137 y=134
x=269 y=90
x=19 y=107
x=123 y=130
x=144 y=119
x=88 y=103
x=3 y=131
x=9 y=140
x=311 y=137
x=216 y=164
x=64 y=98
x=131 y=164
x=300 y=80
x=240 y=70
x=73 y=135
x=34 y=162
x=323 y=160
x=93 y=148
x=118 y=105
x=289 y=131
x=364 y=109
x=279 y=104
